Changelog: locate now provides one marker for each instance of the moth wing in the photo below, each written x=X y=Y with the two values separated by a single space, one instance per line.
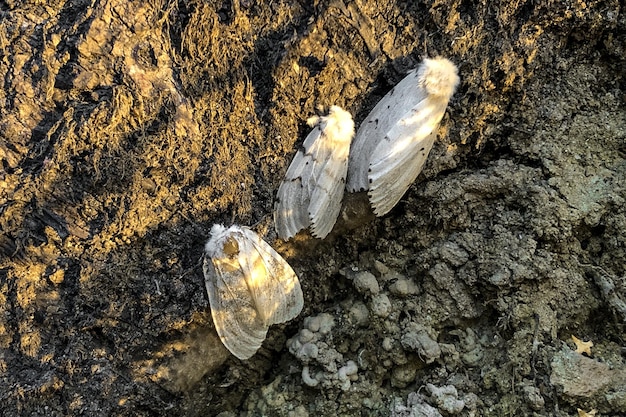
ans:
x=331 y=151
x=233 y=309
x=399 y=158
x=387 y=112
x=291 y=211
x=326 y=199
x=310 y=194
x=250 y=287
x=272 y=283
x=291 y=207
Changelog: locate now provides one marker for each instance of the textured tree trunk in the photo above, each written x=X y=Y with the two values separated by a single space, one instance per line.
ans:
x=127 y=129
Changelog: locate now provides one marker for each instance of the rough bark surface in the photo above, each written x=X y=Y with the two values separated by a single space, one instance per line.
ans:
x=127 y=129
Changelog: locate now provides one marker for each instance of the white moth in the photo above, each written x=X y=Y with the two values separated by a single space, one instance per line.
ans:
x=393 y=142
x=250 y=287
x=311 y=193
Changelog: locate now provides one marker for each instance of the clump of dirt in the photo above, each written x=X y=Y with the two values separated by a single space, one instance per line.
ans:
x=128 y=130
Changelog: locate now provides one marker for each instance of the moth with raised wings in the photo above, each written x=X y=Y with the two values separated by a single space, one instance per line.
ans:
x=311 y=193
x=393 y=142
x=250 y=287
